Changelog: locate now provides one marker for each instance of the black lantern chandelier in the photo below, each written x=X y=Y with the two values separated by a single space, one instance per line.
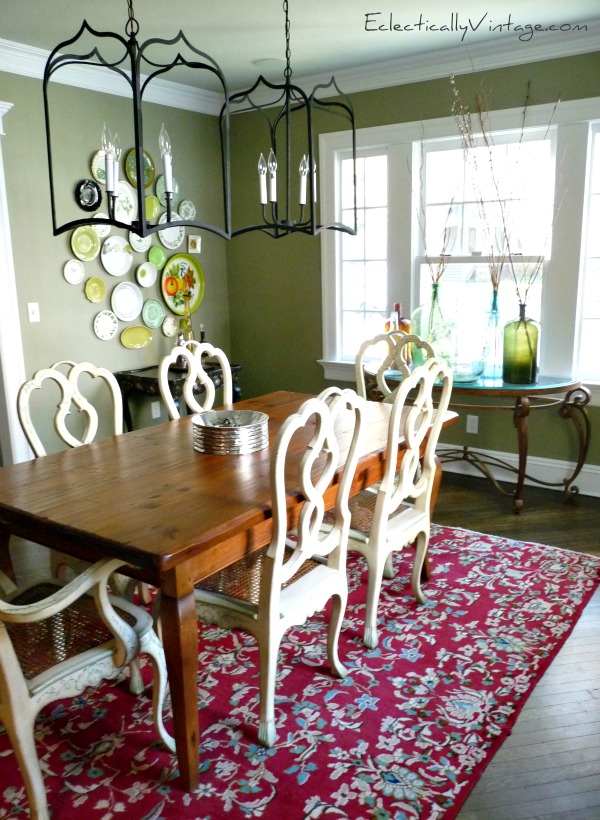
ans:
x=286 y=193
x=137 y=65
x=286 y=199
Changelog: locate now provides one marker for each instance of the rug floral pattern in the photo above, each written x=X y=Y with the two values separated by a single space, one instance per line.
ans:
x=405 y=735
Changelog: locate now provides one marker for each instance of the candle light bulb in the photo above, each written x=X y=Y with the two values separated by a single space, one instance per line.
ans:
x=303 y=169
x=117 y=154
x=272 y=166
x=262 y=176
x=164 y=144
x=109 y=159
x=106 y=139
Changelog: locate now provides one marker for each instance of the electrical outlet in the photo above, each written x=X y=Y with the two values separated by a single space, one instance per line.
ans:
x=34 y=311
x=472 y=424
x=155 y=409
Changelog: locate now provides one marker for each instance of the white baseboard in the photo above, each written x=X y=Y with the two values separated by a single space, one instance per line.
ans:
x=551 y=470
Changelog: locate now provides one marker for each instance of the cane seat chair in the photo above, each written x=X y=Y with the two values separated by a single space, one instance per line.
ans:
x=387 y=358
x=196 y=354
x=285 y=582
x=397 y=512
x=57 y=639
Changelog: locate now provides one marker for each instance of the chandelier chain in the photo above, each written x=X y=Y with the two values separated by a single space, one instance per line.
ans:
x=132 y=26
x=288 y=52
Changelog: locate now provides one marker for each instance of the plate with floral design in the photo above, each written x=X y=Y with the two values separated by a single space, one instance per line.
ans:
x=181 y=272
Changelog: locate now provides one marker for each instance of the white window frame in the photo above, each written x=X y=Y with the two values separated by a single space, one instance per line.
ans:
x=561 y=291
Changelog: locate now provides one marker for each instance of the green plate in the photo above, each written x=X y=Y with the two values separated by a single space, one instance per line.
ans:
x=179 y=266
x=131 y=170
x=85 y=243
x=136 y=336
x=157 y=256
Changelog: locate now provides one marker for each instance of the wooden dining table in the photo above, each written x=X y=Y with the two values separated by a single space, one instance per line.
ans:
x=173 y=514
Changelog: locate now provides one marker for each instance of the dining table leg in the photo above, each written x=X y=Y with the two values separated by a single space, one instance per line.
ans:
x=180 y=638
x=6 y=564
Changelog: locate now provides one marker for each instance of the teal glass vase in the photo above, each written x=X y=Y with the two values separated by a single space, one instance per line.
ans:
x=494 y=341
x=520 y=350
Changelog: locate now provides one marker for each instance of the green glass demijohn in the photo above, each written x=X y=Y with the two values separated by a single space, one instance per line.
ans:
x=520 y=350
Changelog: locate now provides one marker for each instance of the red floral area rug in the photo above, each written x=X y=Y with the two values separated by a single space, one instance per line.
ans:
x=405 y=735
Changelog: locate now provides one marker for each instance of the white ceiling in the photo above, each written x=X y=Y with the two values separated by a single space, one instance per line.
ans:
x=326 y=35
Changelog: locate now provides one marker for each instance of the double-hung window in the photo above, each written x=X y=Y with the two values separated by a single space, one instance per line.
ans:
x=519 y=203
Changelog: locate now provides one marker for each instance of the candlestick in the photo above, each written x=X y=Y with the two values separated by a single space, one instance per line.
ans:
x=109 y=159
x=262 y=176
x=272 y=165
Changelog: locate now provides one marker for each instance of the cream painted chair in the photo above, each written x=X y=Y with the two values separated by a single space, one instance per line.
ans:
x=397 y=512
x=57 y=639
x=384 y=353
x=291 y=578
x=195 y=354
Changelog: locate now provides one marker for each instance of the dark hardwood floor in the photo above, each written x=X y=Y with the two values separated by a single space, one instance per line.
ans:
x=550 y=766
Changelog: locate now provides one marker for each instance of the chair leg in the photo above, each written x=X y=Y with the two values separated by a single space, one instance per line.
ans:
x=268 y=651
x=376 y=567
x=421 y=549
x=338 y=608
x=23 y=743
x=151 y=646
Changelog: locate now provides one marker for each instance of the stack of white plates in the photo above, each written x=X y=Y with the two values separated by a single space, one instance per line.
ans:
x=226 y=432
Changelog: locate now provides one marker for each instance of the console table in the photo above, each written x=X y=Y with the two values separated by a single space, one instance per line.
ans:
x=569 y=397
x=144 y=382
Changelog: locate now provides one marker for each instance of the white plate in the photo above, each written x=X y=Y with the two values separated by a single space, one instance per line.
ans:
x=170 y=326
x=116 y=255
x=187 y=209
x=153 y=313
x=101 y=230
x=140 y=243
x=126 y=204
x=126 y=300
x=74 y=271
x=146 y=274
x=106 y=325
x=160 y=192
x=171 y=237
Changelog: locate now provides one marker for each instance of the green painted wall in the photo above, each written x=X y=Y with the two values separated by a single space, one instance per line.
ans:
x=275 y=285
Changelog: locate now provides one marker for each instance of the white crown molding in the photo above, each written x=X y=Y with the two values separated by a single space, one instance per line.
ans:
x=27 y=61
x=4 y=109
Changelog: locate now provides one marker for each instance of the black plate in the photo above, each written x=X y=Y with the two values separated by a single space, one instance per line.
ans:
x=88 y=195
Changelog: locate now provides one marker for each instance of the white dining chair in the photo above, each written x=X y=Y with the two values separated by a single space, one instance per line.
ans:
x=56 y=640
x=397 y=512
x=285 y=582
x=383 y=353
x=196 y=354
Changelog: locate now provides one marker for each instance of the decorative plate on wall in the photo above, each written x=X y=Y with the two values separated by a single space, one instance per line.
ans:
x=157 y=256
x=187 y=209
x=116 y=256
x=170 y=326
x=153 y=313
x=131 y=169
x=171 y=238
x=160 y=192
x=102 y=230
x=74 y=271
x=88 y=195
x=95 y=289
x=176 y=273
x=126 y=203
x=126 y=300
x=140 y=243
x=146 y=274
x=85 y=243
x=152 y=207
x=136 y=336
x=98 y=167
x=106 y=325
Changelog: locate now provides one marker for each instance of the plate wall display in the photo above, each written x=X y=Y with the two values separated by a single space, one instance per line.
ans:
x=140 y=243
x=152 y=206
x=98 y=167
x=131 y=169
x=126 y=300
x=153 y=313
x=102 y=230
x=180 y=269
x=95 y=289
x=170 y=326
x=160 y=192
x=187 y=209
x=85 y=243
x=157 y=256
x=106 y=325
x=171 y=238
x=126 y=203
x=116 y=256
x=136 y=336
x=74 y=271
x=146 y=274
